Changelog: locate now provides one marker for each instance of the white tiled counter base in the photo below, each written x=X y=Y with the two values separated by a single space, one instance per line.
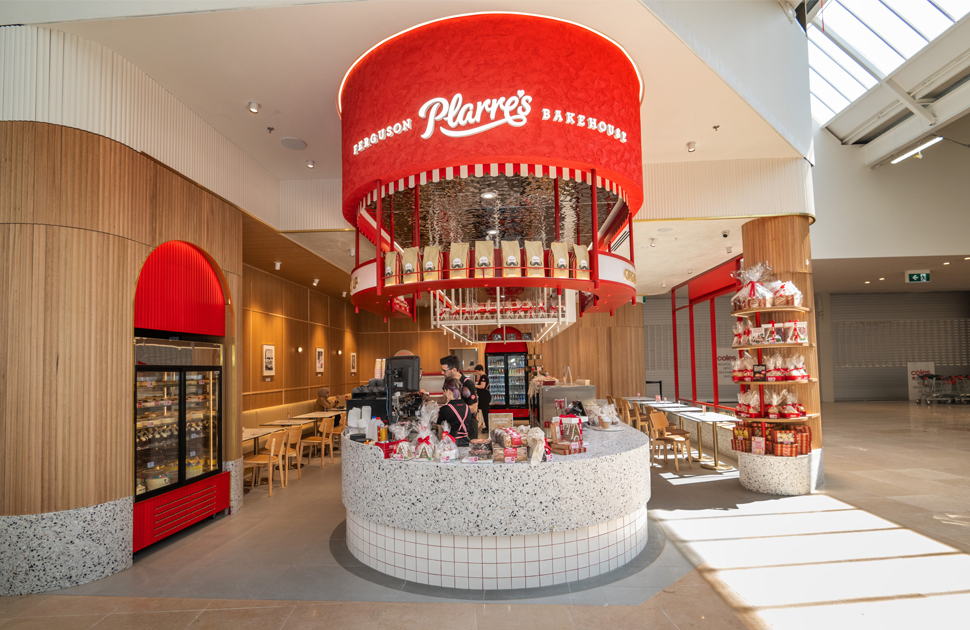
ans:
x=498 y=562
x=789 y=476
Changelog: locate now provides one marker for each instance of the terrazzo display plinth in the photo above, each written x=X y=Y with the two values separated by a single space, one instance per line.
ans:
x=598 y=495
x=789 y=476
x=236 y=485
x=44 y=552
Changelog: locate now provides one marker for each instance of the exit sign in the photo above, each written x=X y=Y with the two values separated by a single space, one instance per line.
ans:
x=918 y=276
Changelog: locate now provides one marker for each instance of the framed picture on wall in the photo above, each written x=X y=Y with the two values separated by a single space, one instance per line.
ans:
x=353 y=362
x=269 y=360
x=319 y=360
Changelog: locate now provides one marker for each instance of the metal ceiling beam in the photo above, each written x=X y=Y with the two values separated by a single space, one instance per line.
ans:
x=907 y=99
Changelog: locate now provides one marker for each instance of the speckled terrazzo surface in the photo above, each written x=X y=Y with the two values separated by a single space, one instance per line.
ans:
x=610 y=480
x=236 y=485
x=789 y=476
x=43 y=552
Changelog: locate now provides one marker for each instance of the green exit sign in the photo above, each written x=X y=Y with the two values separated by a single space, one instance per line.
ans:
x=918 y=276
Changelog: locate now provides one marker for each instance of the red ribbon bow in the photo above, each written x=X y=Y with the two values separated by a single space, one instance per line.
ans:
x=425 y=440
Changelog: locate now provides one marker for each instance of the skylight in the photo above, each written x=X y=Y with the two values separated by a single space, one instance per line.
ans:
x=853 y=44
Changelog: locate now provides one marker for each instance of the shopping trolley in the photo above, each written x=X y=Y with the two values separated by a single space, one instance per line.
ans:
x=942 y=389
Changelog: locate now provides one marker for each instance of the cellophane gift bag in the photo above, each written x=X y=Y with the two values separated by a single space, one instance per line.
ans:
x=786 y=294
x=753 y=293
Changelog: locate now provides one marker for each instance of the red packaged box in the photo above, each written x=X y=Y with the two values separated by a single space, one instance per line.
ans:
x=786 y=450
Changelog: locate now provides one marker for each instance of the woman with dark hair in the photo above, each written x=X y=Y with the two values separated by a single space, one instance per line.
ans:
x=462 y=424
x=484 y=396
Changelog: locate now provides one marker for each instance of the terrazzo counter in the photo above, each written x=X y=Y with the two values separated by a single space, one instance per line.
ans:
x=594 y=501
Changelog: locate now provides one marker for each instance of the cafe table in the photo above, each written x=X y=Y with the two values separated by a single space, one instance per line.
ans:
x=712 y=419
x=254 y=434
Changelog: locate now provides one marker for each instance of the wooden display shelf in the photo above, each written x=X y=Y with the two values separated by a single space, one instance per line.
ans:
x=771 y=309
x=769 y=346
x=781 y=420
x=811 y=380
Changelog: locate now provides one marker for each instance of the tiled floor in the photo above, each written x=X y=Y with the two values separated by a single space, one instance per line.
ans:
x=882 y=546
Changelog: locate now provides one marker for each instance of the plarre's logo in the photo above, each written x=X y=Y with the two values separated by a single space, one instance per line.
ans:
x=514 y=111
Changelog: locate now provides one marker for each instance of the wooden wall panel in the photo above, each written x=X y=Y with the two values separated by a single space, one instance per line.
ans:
x=247 y=351
x=301 y=316
x=233 y=383
x=319 y=309
x=293 y=361
x=79 y=215
x=268 y=399
x=369 y=322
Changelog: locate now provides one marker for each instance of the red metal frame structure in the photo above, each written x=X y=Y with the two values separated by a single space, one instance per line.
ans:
x=704 y=288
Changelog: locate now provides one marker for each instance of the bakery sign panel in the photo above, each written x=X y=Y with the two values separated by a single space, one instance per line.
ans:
x=459 y=119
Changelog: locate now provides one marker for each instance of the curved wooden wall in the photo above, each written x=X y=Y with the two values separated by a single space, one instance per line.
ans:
x=79 y=214
x=784 y=244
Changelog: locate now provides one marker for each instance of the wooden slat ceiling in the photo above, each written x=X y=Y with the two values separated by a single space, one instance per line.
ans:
x=263 y=246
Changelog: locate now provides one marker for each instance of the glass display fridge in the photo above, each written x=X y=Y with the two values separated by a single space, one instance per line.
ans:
x=507 y=380
x=178 y=402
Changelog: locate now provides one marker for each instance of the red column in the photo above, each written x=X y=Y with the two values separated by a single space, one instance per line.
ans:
x=717 y=399
x=673 y=313
x=380 y=240
x=595 y=240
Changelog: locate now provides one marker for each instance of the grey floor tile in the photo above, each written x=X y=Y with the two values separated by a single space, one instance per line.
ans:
x=628 y=596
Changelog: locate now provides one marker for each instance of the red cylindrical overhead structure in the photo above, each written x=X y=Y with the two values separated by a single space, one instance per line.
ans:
x=491 y=93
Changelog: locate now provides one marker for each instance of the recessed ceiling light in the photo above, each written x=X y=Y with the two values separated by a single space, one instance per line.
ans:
x=310 y=163
x=691 y=147
x=667 y=229
x=316 y=281
x=277 y=264
x=493 y=232
x=946 y=263
x=293 y=143
x=882 y=278
x=967 y=258
x=253 y=106
x=653 y=242
x=489 y=195
x=867 y=282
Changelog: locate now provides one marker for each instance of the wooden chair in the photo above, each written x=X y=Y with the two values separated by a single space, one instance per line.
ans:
x=657 y=423
x=267 y=457
x=609 y=399
x=638 y=419
x=320 y=441
x=293 y=450
x=624 y=408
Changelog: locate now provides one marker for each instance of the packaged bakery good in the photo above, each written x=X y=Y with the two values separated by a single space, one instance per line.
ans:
x=753 y=293
x=484 y=259
x=446 y=450
x=772 y=333
x=431 y=263
x=534 y=263
x=535 y=441
x=424 y=444
x=401 y=448
x=776 y=371
x=790 y=408
x=390 y=269
x=481 y=449
x=796 y=368
x=786 y=294
x=737 y=370
x=458 y=260
x=773 y=404
x=748 y=368
x=799 y=332
x=559 y=252
x=411 y=264
x=739 y=327
x=511 y=262
x=757 y=336
x=572 y=429
x=581 y=256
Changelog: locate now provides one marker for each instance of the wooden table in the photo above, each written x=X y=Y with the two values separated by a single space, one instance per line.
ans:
x=254 y=435
x=713 y=419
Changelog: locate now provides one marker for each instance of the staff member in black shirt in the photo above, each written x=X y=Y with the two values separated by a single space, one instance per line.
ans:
x=462 y=423
x=469 y=394
x=484 y=395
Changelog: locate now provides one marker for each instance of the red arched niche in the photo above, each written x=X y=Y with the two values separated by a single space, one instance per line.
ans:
x=179 y=291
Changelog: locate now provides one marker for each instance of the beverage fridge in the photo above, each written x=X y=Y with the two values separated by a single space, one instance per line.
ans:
x=507 y=380
x=178 y=435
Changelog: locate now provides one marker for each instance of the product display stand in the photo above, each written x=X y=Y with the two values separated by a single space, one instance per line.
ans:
x=783 y=244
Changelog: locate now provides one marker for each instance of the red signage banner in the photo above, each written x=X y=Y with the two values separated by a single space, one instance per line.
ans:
x=491 y=88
